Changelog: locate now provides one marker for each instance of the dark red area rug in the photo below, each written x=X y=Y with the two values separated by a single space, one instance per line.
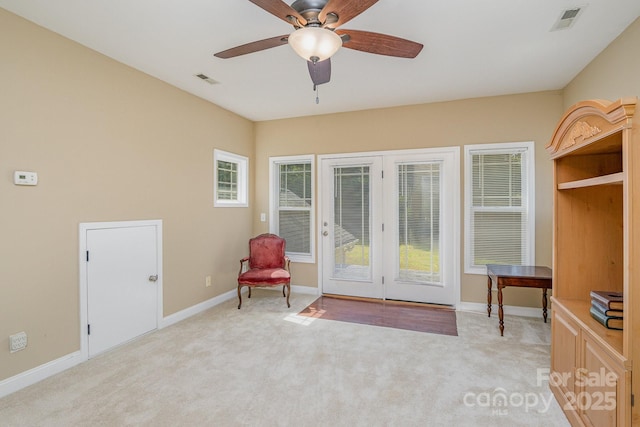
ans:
x=390 y=314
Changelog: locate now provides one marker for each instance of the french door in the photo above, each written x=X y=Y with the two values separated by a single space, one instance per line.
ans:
x=351 y=224
x=388 y=225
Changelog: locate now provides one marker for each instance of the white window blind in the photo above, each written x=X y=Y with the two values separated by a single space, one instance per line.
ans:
x=352 y=226
x=500 y=224
x=419 y=222
x=292 y=208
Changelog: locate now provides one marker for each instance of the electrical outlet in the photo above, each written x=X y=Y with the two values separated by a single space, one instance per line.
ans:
x=17 y=342
x=207 y=281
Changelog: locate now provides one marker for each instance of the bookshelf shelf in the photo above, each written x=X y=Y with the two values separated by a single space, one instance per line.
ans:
x=611 y=179
x=578 y=310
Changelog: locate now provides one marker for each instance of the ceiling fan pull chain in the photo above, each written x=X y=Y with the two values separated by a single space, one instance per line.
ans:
x=317 y=94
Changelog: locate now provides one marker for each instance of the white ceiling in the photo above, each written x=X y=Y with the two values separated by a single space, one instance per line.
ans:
x=471 y=49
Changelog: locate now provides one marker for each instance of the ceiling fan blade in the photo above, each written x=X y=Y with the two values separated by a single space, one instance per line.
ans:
x=381 y=44
x=253 y=47
x=346 y=10
x=280 y=9
x=320 y=72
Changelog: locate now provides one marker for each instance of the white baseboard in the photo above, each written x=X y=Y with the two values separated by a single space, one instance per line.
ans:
x=39 y=373
x=307 y=290
x=511 y=310
x=196 y=309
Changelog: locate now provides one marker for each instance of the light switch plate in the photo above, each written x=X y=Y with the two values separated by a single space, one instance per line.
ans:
x=25 y=178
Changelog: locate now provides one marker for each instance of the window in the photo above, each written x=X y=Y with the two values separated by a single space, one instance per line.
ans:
x=292 y=204
x=231 y=179
x=499 y=200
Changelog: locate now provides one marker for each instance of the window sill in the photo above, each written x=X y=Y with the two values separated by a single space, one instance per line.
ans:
x=230 y=205
x=302 y=259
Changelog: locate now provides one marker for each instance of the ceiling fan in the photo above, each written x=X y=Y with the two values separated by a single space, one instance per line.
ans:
x=316 y=37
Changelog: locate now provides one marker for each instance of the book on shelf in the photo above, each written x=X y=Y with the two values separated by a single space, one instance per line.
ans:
x=606 y=311
x=610 y=299
x=609 y=322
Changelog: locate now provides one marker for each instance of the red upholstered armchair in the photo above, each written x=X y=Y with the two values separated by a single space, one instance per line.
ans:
x=268 y=266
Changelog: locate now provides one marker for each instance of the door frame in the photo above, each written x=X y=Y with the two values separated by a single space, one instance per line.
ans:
x=456 y=204
x=83 y=287
x=358 y=287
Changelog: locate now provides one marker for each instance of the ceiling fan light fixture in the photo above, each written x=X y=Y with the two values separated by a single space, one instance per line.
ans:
x=314 y=43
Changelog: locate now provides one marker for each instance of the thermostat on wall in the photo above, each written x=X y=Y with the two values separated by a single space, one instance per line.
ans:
x=25 y=178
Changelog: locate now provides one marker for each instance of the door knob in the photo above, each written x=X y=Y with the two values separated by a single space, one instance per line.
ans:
x=153 y=278
x=325 y=233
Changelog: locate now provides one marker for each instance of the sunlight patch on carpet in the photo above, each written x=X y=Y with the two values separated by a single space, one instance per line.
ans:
x=300 y=319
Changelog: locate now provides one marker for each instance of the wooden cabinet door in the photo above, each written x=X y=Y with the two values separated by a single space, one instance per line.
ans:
x=565 y=346
x=602 y=387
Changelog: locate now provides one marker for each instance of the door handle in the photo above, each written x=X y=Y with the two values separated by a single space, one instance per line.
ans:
x=153 y=278
x=325 y=233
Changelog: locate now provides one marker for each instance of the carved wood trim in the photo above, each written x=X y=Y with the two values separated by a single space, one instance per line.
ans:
x=583 y=121
x=579 y=132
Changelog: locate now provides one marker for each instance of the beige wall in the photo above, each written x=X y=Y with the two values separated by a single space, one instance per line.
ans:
x=613 y=74
x=529 y=117
x=109 y=143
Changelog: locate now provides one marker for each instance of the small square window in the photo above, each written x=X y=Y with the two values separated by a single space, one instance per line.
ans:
x=231 y=178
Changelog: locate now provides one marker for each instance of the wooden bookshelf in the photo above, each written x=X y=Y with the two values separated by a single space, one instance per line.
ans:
x=596 y=153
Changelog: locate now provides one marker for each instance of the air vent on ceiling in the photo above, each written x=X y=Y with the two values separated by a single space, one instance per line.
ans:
x=567 y=18
x=206 y=79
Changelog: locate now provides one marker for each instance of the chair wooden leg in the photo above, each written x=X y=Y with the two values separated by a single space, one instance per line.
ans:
x=249 y=295
x=283 y=294
x=239 y=296
x=288 y=293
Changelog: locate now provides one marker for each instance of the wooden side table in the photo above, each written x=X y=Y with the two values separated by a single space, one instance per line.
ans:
x=524 y=276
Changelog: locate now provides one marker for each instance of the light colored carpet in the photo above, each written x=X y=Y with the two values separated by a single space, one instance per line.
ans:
x=264 y=365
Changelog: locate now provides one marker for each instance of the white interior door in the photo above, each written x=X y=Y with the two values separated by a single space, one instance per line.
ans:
x=122 y=290
x=393 y=237
x=351 y=248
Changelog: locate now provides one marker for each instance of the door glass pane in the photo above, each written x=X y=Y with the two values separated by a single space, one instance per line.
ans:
x=351 y=223
x=419 y=223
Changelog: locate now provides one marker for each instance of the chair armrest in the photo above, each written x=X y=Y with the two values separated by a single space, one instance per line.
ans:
x=242 y=261
x=286 y=262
